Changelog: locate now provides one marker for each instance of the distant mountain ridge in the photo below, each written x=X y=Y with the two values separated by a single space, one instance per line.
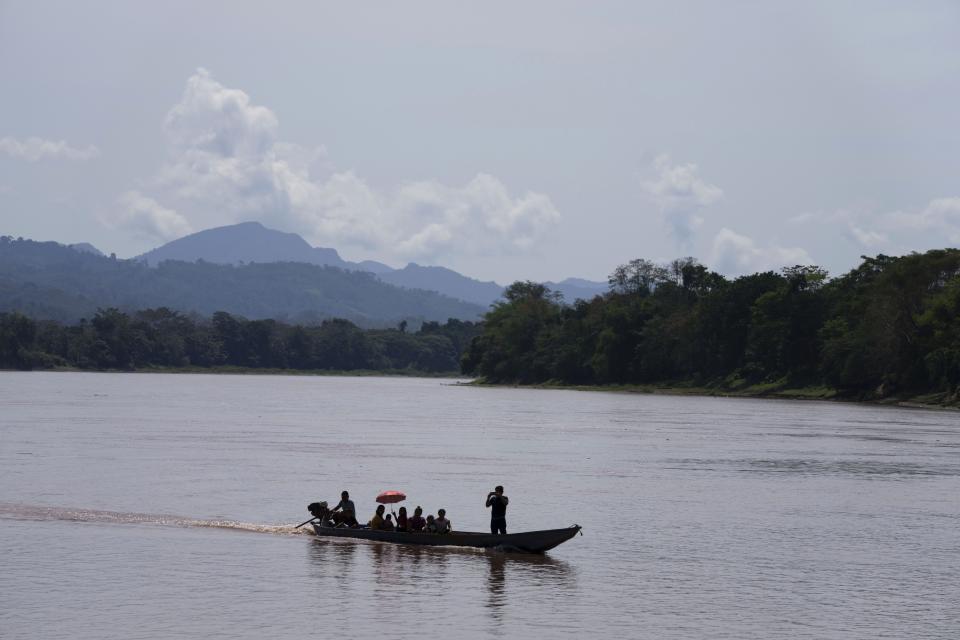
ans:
x=445 y=281
x=47 y=280
x=86 y=247
x=251 y=242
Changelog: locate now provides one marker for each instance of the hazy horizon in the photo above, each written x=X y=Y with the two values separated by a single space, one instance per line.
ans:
x=535 y=141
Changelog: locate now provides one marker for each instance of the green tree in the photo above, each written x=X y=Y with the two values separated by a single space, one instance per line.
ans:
x=17 y=335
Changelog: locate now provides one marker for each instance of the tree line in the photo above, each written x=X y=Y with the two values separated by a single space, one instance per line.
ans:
x=115 y=340
x=889 y=327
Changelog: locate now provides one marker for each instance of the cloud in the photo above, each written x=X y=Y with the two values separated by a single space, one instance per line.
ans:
x=477 y=217
x=803 y=218
x=735 y=254
x=865 y=237
x=853 y=225
x=146 y=218
x=35 y=149
x=941 y=215
x=227 y=165
x=212 y=118
x=899 y=230
x=680 y=194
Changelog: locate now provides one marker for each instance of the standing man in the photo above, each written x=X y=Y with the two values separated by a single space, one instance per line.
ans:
x=498 y=510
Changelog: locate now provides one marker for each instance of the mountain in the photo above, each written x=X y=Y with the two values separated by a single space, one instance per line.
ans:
x=48 y=280
x=578 y=289
x=451 y=283
x=86 y=247
x=251 y=242
x=445 y=281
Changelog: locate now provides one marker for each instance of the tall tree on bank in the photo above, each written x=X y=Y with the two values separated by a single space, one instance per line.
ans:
x=892 y=325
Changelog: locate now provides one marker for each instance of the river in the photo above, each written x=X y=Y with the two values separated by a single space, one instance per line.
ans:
x=161 y=505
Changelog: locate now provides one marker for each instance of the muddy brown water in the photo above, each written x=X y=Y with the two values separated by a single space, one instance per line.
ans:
x=160 y=506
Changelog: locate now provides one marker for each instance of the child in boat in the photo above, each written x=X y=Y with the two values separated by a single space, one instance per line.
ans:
x=431 y=526
x=388 y=523
x=376 y=522
x=443 y=525
x=402 y=523
x=417 y=523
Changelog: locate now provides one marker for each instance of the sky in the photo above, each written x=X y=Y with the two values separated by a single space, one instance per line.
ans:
x=506 y=140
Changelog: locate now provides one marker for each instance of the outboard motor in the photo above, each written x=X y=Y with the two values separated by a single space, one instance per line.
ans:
x=320 y=511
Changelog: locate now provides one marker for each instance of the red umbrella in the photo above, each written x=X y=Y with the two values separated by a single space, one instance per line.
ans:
x=389 y=497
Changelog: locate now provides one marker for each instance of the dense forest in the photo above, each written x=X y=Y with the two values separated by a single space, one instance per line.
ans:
x=161 y=338
x=889 y=328
x=50 y=281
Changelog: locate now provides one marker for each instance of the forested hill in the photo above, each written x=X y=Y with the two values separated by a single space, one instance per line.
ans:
x=46 y=280
x=249 y=242
x=889 y=328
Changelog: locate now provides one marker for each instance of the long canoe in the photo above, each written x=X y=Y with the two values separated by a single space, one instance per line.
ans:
x=527 y=542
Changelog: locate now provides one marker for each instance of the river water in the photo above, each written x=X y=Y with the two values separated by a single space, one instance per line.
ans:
x=160 y=506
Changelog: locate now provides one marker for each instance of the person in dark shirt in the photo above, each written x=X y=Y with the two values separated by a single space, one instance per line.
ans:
x=402 y=523
x=388 y=523
x=497 y=502
x=417 y=523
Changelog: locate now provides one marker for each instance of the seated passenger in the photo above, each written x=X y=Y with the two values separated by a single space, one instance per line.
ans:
x=431 y=526
x=416 y=523
x=443 y=525
x=376 y=522
x=388 y=523
x=402 y=522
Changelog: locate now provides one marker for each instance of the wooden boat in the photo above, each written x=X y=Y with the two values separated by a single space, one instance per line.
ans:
x=526 y=542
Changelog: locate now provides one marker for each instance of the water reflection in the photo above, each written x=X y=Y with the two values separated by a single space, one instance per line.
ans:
x=331 y=558
x=497 y=584
x=392 y=565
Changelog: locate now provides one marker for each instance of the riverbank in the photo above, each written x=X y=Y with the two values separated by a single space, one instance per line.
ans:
x=767 y=390
x=232 y=370
x=773 y=390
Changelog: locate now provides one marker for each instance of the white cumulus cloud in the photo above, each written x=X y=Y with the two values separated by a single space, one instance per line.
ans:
x=865 y=237
x=680 y=194
x=226 y=164
x=146 y=218
x=736 y=254
x=941 y=215
x=35 y=149
x=898 y=231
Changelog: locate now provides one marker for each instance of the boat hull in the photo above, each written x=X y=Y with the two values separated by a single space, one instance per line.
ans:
x=526 y=542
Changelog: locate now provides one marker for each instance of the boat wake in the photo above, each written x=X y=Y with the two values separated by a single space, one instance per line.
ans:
x=15 y=511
